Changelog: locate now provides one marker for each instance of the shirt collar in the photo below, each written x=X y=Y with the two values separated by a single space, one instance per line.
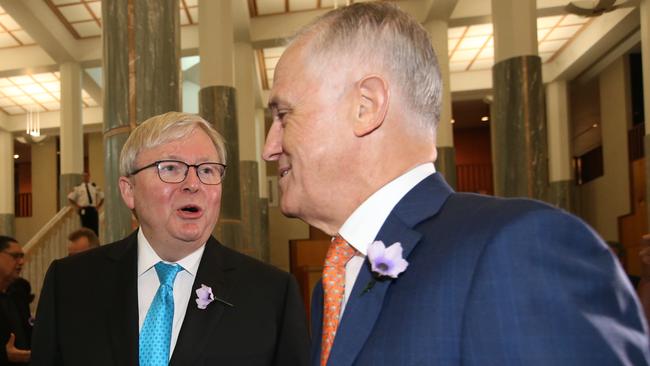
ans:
x=361 y=228
x=147 y=257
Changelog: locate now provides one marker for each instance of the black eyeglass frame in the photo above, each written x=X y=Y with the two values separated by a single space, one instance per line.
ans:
x=15 y=256
x=196 y=170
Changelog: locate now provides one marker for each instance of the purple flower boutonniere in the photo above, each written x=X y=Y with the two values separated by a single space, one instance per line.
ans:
x=385 y=262
x=204 y=296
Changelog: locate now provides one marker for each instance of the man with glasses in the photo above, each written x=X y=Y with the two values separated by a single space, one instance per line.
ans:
x=15 y=329
x=169 y=292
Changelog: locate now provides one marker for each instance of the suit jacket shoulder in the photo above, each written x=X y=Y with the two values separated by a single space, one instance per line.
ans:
x=490 y=281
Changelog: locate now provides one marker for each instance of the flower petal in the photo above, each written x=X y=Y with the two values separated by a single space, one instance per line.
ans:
x=394 y=251
x=398 y=267
x=375 y=250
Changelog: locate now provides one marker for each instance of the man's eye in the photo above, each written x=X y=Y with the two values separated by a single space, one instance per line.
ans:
x=168 y=168
x=207 y=170
x=281 y=114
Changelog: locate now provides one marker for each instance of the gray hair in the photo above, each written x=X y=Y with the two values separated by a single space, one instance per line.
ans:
x=164 y=128
x=382 y=33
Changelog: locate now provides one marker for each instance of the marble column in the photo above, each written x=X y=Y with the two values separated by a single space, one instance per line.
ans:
x=248 y=150
x=7 y=214
x=519 y=143
x=561 y=190
x=141 y=63
x=260 y=137
x=217 y=104
x=446 y=160
x=644 y=8
x=71 y=133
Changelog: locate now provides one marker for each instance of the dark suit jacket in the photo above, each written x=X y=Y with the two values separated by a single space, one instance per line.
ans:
x=14 y=319
x=490 y=282
x=88 y=312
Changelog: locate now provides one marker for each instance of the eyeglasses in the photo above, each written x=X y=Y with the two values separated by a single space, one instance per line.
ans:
x=174 y=171
x=16 y=256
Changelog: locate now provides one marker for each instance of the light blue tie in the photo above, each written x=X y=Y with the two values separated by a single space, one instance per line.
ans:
x=156 y=333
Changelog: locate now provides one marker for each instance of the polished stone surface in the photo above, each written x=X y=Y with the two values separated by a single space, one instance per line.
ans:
x=145 y=37
x=117 y=217
x=7 y=226
x=229 y=233
x=250 y=208
x=218 y=106
x=265 y=241
x=66 y=183
x=563 y=195
x=158 y=51
x=518 y=129
x=446 y=164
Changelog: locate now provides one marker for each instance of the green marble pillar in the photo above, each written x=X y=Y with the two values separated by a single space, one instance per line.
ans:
x=563 y=195
x=66 y=183
x=518 y=129
x=252 y=241
x=217 y=105
x=7 y=224
x=446 y=164
x=141 y=61
x=265 y=242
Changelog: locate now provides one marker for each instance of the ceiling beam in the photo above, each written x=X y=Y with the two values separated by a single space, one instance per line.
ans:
x=439 y=9
x=600 y=37
x=44 y=27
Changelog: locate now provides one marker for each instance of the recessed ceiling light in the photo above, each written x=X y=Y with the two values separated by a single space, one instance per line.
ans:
x=453 y=121
x=485 y=118
x=16 y=156
x=594 y=125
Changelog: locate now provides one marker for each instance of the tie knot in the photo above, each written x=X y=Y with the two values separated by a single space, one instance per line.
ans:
x=167 y=273
x=339 y=252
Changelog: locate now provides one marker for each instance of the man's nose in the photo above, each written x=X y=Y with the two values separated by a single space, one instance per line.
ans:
x=192 y=181
x=273 y=144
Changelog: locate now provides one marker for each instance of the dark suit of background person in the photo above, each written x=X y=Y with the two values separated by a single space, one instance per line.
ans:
x=490 y=281
x=14 y=312
x=90 y=306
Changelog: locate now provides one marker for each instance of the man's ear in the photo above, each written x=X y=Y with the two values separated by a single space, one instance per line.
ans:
x=372 y=104
x=126 y=189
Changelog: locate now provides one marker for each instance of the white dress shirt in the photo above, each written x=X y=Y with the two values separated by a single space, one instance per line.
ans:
x=148 y=284
x=80 y=197
x=362 y=227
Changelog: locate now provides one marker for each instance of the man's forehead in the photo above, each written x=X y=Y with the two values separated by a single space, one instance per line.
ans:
x=14 y=246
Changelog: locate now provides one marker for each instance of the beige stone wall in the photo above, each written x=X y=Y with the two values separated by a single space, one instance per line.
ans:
x=281 y=230
x=96 y=158
x=606 y=198
x=44 y=191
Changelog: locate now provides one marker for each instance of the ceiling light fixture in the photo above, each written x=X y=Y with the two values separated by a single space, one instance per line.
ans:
x=32 y=129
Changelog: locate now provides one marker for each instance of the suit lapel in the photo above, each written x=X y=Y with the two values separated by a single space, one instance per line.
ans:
x=123 y=313
x=198 y=323
x=363 y=307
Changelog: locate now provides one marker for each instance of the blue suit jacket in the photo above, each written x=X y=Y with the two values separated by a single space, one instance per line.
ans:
x=490 y=282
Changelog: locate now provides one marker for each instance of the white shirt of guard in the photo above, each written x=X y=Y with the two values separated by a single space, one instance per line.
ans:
x=362 y=227
x=148 y=284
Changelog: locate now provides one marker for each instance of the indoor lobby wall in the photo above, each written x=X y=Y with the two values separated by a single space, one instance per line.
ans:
x=44 y=191
x=604 y=199
x=96 y=159
x=281 y=230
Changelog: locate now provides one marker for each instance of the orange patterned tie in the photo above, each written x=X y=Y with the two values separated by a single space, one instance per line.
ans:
x=338 y=254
